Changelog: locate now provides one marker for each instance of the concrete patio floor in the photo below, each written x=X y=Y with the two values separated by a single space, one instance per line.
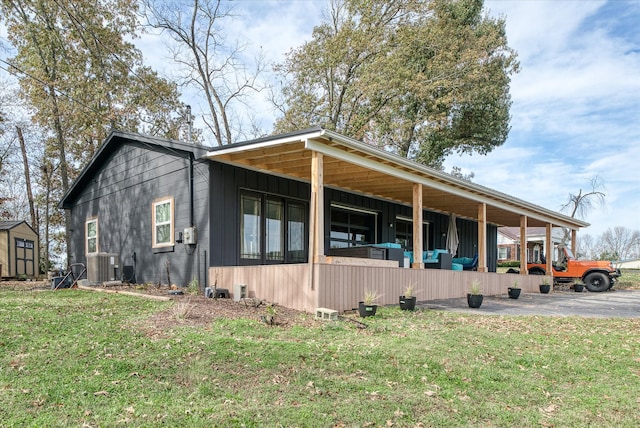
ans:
x=610 y=304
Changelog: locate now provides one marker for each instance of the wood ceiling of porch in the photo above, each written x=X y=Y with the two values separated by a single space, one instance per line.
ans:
x=294 y=160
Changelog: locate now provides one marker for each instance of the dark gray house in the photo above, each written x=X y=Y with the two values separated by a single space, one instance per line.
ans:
x=272 y=215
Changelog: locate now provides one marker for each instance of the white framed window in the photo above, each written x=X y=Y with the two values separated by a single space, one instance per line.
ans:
x=502 y=253
x=162 y=220
x=91 y=235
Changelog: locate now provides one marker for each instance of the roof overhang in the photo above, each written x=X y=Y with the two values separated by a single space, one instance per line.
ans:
x=354 y=166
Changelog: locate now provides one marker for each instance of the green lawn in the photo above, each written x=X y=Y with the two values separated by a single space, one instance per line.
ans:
x=74 y=358
x=630 y=279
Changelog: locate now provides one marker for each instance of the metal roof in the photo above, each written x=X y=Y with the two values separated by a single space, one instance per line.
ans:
x=362 y=168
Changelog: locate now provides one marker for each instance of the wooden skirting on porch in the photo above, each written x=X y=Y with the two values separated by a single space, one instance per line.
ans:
x=341 y=287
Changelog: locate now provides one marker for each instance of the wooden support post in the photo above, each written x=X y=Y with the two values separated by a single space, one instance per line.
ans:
x=573 y=241
x=482 y=237
x=548 y=250
x=418 y=263
x=316 y=217
x=523 y=245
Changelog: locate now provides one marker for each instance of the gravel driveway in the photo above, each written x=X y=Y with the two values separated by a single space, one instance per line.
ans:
x=616 y=303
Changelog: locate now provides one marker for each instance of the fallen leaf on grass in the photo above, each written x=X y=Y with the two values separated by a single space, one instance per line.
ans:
x=549 y=409
x=105 y=393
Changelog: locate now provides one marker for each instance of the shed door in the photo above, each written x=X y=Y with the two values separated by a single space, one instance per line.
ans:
x=25 y=257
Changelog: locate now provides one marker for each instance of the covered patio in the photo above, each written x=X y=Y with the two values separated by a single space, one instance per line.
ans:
x=326 y=159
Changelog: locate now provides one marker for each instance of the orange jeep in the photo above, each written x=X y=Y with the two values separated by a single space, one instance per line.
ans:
x=596 y=275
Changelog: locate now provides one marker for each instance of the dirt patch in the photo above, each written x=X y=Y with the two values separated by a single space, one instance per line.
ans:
x=191 y=310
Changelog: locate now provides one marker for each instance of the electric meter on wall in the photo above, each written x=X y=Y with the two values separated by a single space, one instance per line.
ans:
x=189 y=236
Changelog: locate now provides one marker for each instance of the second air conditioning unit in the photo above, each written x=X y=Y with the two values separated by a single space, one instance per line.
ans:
x=102 y=267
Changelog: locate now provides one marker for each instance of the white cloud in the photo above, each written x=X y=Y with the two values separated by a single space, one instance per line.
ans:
x=576 y=101
x=576 y=109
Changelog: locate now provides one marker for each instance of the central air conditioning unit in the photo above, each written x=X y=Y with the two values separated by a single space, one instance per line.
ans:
x=102 y=267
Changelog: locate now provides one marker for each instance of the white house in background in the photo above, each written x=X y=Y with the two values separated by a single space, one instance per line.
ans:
x=509 y=243
x=628 y=264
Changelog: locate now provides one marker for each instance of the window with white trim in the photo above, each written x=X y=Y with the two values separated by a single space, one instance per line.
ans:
x=91 y=235
x=502 y=253
x=163 y=223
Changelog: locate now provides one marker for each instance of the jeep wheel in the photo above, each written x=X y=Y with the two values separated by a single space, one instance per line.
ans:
x=596 y=281
x=536 y=271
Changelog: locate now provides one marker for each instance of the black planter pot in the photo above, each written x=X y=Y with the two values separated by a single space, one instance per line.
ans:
x=474 y=300
x=407 y=303
x=545 y=288
x=578 y=288
x=366 y=310
x=514 y=293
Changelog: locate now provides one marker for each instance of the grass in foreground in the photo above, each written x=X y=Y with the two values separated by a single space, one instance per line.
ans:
x=629 y=280
x=80 y=359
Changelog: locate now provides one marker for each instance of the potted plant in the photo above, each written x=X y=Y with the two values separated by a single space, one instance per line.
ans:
x=514 y=291
x=577 y=287
x=369 y=304
x=474 y=297
x=408 y=300
x=545 y=287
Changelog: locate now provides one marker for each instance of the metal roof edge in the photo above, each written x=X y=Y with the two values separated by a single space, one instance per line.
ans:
x=269 y=141
x=494 y=194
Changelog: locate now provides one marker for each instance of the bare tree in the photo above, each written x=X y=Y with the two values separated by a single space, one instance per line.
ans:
x=580 y=204
x=212 y=66
x=585 y=247
x=620 y=242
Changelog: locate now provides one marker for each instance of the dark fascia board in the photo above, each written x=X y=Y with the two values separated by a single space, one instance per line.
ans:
x=111 y=143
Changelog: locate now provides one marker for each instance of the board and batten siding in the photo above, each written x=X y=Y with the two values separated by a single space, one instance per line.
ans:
x=121 y=194
x=228 y=181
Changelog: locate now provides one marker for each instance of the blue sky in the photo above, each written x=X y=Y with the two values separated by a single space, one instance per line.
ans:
x=576 y=100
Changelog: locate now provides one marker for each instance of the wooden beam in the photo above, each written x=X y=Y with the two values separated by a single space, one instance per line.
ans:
x=548 y=250
x=523 y=245
x=417 y=227
x=482 y=237
x=574 y=234
x=262 y=152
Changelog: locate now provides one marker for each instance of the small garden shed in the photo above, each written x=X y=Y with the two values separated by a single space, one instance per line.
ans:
x=18 y=250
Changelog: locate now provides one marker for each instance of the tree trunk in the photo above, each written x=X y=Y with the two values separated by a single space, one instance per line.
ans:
x=27 y=179
x=64 y=174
